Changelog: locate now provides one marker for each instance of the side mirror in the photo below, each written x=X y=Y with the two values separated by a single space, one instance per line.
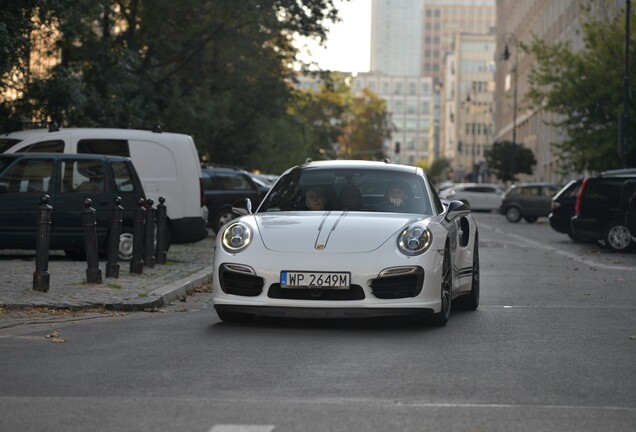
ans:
x=456 y=208
x=242 y=207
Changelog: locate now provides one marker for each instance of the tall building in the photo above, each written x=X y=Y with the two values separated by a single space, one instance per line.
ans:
x=469 y=104
x=551 y=21
x=396 y=42
x=442 y=19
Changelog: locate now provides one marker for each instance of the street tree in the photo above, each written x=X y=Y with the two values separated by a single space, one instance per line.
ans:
x=219 y=70
x=585 y=89
x=506 y=160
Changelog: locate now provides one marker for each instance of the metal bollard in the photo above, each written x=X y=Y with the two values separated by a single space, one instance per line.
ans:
x=149 y=235
x=93 y=272
x=112 y=266
x=160 y=254
x=136 y=263
x=41 y=276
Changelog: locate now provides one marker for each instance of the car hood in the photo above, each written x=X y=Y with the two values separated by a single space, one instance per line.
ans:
x=333 y=231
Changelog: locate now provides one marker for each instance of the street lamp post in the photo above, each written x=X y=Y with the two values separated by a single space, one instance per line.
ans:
x=508 y=38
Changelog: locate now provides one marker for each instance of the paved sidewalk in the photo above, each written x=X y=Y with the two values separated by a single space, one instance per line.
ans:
x=189 y=267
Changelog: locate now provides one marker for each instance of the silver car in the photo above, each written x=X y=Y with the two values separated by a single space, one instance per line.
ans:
x=479 y=196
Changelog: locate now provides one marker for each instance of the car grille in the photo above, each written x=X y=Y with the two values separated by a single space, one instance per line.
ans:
x=241 y=284
x=355 y=292
x=401 y=286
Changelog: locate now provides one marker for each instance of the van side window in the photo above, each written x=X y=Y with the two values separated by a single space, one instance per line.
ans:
x=123 y=178
x=83 y=176
x=28 y=176
x=54 y=146
x=104 y=146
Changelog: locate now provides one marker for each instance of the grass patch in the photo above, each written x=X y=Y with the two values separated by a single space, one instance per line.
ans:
x=143 y=295
x=113 y=286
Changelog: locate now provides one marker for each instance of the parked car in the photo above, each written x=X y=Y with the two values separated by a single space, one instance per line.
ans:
x=167 y=163
x=563 y=206
x=529 y=201
x=409 y=256
x=68 y=179
x=223 y=187
x=601 y=206
x=479 y=196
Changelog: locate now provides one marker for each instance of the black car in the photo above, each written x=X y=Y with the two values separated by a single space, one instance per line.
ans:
x=529 y=201
x=68 y=179
x=563 y=204
x=223 y=187
x=601 y=206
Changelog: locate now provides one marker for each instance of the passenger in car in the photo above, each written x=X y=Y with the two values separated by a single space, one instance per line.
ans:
x=316 y=198
x=397 y=193
x=350 y=198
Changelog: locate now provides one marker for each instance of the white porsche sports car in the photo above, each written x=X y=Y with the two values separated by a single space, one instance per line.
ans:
x=348 y=239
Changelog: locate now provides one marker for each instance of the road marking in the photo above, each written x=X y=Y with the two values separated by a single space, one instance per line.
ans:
x=559 y=251
x=241 y=428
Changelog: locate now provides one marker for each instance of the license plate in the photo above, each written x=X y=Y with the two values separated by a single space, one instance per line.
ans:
x=335 y=280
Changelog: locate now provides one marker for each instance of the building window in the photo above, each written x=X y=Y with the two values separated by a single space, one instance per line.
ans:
x=412 y=88
x=425 y=107
x=398 y=107
x=398 y=88
x=411 y=107
x=385 y=87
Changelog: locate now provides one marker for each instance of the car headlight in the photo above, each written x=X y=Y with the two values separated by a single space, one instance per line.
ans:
x=415 y=240
x=236 y=237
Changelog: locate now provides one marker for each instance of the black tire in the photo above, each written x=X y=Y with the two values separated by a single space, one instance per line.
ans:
x=126 y=242
x=513 y=214
x=446 y=291
x=234 y=317
x=222 y=217
x=531 y=219
x=471 y=300
x=616 y=237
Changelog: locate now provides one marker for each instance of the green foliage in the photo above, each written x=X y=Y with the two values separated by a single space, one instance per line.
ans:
x=505 y=157
x=219 y=70
x=585 y=90
x=438 y=167
x=342 y=125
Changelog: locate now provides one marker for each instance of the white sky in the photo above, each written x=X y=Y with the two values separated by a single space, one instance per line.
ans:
x=349 y=41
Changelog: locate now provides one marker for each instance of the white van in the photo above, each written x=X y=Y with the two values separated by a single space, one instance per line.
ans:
x=167 y=163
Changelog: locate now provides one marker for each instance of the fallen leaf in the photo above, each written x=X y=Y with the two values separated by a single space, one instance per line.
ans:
x=53 y=335
x=632 y=338
x=58 y=340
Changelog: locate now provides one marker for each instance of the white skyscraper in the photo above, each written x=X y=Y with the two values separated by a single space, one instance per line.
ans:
x=396 y=42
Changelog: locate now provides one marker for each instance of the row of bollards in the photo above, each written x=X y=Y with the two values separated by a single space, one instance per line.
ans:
x=144 y=252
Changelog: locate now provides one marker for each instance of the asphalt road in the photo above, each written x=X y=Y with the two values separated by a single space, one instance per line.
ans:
x=551 y=348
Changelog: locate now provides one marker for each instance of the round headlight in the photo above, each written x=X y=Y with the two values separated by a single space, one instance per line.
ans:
x=414 y=240
x=236 y=237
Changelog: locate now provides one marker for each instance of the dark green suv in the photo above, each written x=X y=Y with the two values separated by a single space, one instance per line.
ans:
x=69 y=179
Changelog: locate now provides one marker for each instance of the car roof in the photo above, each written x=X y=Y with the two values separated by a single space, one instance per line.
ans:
x=627 y=172
x=85 y=132
x=357 y=164
x=62 y=156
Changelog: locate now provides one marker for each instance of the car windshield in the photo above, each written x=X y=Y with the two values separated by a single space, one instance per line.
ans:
x=348 y=189
x=7 y=143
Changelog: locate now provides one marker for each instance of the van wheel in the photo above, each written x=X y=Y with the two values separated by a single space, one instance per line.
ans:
x=617 y=237
x=222 y=217
x=513 y=214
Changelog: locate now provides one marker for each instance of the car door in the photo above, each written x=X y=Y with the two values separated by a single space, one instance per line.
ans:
x=22 y=185
x=80 y=179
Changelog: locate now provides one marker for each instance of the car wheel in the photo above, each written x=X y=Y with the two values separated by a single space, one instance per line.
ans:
x=441 y=318
x=617 y=237
x=513 y=214
x=125 y=250
x=471 y=301
x=222 y=217
x=531 y=219
x=234 y=317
